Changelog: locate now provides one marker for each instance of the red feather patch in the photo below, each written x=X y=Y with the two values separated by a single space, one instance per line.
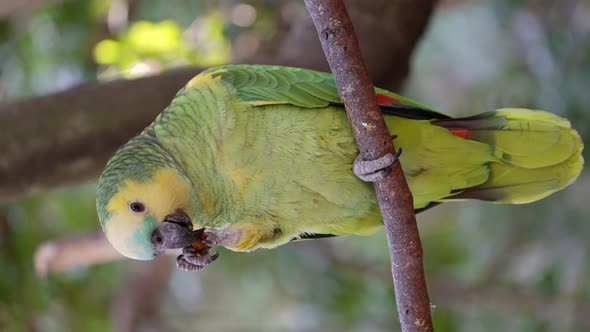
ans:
x=385 y=100
x=463 y=133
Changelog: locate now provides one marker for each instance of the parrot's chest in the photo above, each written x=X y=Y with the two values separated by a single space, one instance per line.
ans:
x=281 y=160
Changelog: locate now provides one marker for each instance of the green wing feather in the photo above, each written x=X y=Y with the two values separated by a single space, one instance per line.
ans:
x=300 y=87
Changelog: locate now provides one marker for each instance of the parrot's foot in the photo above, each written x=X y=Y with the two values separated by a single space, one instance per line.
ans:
x=196 y=256
x=244 y=236
x=374 y=170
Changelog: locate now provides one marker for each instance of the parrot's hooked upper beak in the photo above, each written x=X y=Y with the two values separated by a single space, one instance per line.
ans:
x=175 y=232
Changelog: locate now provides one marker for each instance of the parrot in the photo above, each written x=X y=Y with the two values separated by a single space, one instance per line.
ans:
x=256 y=156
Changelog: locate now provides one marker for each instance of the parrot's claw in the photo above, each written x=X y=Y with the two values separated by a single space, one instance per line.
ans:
x=196 y=256
x=184 y=265
x=193 y=260
x=374 y=170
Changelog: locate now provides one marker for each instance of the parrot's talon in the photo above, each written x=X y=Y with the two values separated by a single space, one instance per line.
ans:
x=184 y=265
x=196 y=256
x=214 y=256
x=394 y=136
x=374 y=170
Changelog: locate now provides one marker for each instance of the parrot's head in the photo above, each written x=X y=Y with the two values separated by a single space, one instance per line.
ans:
x=139 y=192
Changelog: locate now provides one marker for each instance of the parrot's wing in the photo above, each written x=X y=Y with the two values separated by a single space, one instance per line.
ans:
x=268 y=85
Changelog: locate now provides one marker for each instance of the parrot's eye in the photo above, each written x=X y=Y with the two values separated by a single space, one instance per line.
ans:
x=137 y=207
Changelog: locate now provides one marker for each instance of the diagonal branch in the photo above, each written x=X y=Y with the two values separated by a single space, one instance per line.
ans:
x=341 y=48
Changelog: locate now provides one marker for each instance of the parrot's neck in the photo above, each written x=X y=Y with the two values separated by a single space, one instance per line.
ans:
x=211 y=201
x=209 y=198
x=196 y=149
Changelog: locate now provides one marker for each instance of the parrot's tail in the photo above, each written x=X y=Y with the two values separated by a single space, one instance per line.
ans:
x=535 y=153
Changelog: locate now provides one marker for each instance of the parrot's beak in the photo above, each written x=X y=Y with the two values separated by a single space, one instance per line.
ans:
x=175 y=232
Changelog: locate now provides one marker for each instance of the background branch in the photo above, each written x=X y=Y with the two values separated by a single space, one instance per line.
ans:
x=66 y=138
x=341 y=48
x=77 y=251
x=73 y=252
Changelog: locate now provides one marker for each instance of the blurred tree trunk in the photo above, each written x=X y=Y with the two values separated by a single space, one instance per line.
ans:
x=66 y=138
x=387 y=32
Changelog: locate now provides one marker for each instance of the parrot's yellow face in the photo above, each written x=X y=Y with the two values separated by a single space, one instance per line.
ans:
x=137 y=208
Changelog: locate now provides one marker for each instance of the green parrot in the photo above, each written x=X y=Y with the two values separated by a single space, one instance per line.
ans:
x=256 y=156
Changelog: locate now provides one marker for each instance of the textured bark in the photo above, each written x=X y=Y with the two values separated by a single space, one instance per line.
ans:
x=341 y=48
x=67 y=137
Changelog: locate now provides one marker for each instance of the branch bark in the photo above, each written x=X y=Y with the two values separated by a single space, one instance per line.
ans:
x=342 y=51
x=66 y=138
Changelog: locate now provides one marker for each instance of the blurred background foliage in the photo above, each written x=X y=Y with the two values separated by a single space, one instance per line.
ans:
x=489 y=267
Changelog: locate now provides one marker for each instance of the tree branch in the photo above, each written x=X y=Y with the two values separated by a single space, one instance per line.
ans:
x=66 y=138
x=341 y=48
x=72 y=252
x=76 y=251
